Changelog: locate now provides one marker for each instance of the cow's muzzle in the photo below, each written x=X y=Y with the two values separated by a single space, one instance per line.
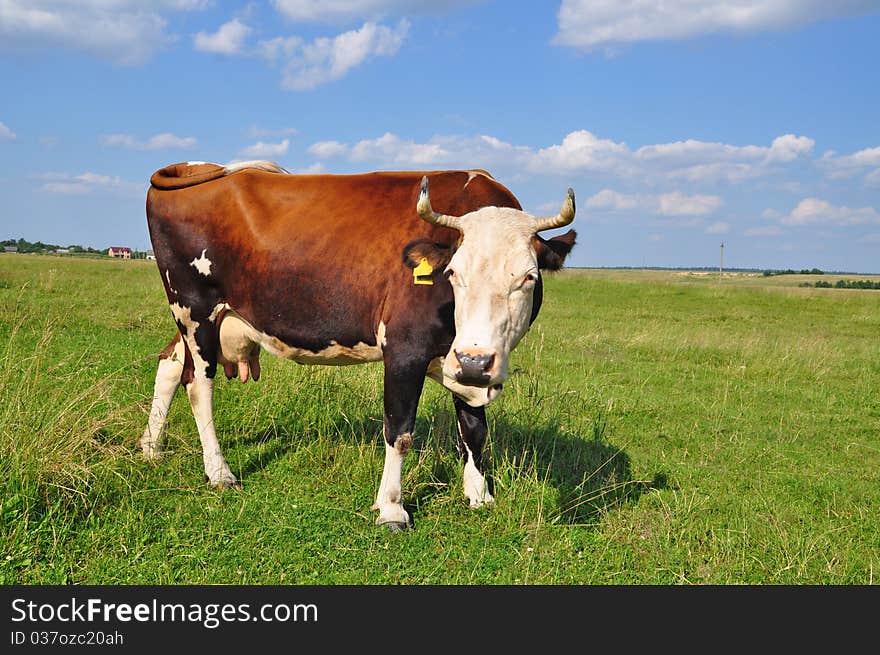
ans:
x=475 y=368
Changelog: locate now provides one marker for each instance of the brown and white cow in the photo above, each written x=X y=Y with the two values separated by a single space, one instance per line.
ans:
x=346 y=269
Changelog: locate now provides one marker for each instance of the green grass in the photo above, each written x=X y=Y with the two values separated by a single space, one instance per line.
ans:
x=659 y=428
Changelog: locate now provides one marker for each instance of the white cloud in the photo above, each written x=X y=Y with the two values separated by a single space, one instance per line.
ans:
x=679 y=204
x=667 y=204
x=858 y=163
x=126 y=32
x=87 y=183
x=324 y=60
x=593 y=24
x=581 y=150
x=164 y=141
x=789 y=147
x=684 y=152
x=168 y=141
x=608 y=199
x=346 y=10
x=862 y=158
x=228 y=40
x=702 y=161
x=717 y=172
x=393 y=149
x=312 y=169
x=814 y=211
x=261 y=132
x=690 y=161
x=261 y=150
x=279 y=48
x=764 y=231
x=328 y=149
x=718 y=228
x=5 y=133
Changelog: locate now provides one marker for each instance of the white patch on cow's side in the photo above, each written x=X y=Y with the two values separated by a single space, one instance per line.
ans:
x=202 y=264
x=475 y=488
x=168 y=277
x=217 y=309
x=236 y=333
x=167 y=381
x=196 y=163
x=473 y=396
x=380 y=335
x=333 y=355
x=389 y=495
x=184 y=316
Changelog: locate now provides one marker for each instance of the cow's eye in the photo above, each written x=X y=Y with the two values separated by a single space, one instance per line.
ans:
x=530 y=278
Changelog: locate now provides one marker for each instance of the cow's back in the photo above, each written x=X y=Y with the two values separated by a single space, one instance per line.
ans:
x=310 y=259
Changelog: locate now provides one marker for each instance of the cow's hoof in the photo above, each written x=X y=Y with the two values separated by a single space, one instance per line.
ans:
x=392 y=514
x=151 y=452
x=152 y=455
x=223 y=482
x=485 y=501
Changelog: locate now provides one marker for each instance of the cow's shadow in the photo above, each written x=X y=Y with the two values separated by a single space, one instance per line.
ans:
x=589 y=474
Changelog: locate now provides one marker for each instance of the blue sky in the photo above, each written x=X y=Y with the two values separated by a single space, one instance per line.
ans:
x=679 y=124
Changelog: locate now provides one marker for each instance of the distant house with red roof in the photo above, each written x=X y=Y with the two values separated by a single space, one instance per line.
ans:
x=123 y=252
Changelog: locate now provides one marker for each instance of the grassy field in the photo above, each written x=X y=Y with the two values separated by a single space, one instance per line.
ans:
x=660 y=428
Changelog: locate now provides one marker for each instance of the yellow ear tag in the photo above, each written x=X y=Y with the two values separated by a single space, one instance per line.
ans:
x=422 y=272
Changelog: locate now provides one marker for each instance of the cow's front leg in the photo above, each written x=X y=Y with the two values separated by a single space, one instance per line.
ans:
x=403 y=386
x=473 y=429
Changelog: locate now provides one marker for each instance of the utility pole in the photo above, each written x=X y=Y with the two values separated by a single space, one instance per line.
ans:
x=721 y=263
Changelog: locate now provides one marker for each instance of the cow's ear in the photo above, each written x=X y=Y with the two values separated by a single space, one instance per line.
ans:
x=552 y=252
x=437 y=254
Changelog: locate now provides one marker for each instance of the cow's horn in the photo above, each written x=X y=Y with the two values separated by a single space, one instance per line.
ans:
x=563 y=218
x=423 y=207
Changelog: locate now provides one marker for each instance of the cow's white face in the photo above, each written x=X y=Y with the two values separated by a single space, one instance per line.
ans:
x=493 y=274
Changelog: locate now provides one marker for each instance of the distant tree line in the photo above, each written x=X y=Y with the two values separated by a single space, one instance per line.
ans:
x=38 y=247
x=844 y=284
x=789 y=271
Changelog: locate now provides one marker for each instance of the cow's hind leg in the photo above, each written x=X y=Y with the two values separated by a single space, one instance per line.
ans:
x=403 y=386
x=200 y=366
x=473 y=430
x=167 y=380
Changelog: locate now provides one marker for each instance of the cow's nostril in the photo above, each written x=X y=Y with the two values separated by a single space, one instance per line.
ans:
x=474 y=365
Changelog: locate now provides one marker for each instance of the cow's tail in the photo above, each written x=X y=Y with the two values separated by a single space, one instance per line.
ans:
x=190 y=173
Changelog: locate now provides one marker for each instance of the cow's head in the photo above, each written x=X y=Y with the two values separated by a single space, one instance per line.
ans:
x=495 y=273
